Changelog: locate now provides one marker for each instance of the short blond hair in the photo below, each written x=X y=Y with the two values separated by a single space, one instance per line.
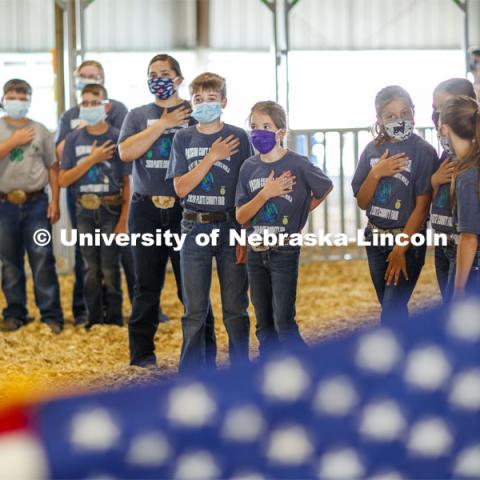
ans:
x=93 y=63
x=209 y=81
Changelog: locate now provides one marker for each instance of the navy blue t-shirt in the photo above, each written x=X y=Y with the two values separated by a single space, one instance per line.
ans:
x=216 y=192
x=441 y=213
x=395 y=197
x=69 y=121
x=286 y=213
x=466 y=215
x=104 y=178
x=149 y=170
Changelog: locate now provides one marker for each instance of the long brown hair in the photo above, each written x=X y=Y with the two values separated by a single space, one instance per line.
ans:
x=462 y=115
x=382 y=99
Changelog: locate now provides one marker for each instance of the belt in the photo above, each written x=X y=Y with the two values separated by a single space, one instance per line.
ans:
x=91 y=201
x=209 y=217
x=265 y=248
x=393 y=231
x=19 y=197
x=160 y=201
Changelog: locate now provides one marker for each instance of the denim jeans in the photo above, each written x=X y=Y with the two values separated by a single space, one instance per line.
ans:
x=150 y=267
x=79 y=307
x=196 y=268
x=445 y=266
x=473 y=283
x=17 y=226
x=273 y=276
x=101 y=271
x=394 y=299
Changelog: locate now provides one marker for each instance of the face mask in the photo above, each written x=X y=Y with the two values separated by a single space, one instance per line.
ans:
x=162 y=88
x=445 y=143
x=93 y=115
x=16 y=109
x=81 y=82
x=207 y=112
x=400 y=129
x=263 y=140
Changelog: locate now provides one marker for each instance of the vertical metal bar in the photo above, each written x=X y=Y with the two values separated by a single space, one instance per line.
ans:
x=79 y=31
x=355 y=160
x=342 y=184
x=203 y=14
x=326 y=223
x=466 y=36
x=308 y=137
x=70 y=51
x=58 y=60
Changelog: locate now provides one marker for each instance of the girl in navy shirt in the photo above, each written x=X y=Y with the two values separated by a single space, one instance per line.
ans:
x=392 y=184
x=441 y=213
x=460 y=125
x=276 y=190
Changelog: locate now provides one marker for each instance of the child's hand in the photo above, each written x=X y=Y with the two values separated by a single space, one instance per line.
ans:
x=103 y=152
x=22 y=136
x=241 y=254
x=389 y=166
x=397 y=264
x=121 y=227
x=179 y=116
x=53 y=212
x=276 y=187
x=443 y=174
x=222 y=149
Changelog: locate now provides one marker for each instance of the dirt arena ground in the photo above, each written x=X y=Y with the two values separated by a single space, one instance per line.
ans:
x=333 y=298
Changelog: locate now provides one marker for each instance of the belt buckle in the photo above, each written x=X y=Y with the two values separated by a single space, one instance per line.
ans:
x=17 y=197
x=163 y=202
x=259 y=247
x=90 y=201
x=200 y=218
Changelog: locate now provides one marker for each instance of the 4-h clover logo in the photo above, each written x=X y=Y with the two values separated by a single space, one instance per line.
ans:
x=16 y=155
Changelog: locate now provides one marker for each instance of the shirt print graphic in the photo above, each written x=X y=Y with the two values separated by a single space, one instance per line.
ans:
x=270 y=216
x=209 y=184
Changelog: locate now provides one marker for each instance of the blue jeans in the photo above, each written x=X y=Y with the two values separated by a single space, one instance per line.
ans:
x=79 y=307
x=150 y=267
x=273 y=279
x=394 y=299
x=17 y=226
x=101 y=263
x=473 y=283
x=196 y=268
x=445 y=266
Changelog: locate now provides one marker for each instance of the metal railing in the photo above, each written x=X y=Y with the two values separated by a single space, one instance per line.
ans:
x=336 y=152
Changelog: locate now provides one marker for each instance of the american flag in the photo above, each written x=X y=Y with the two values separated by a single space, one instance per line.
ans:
x=396 y=401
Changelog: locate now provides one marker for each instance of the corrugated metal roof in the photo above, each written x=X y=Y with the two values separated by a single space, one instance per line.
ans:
x=26 y=25
x=140 y=25
x=146 y=25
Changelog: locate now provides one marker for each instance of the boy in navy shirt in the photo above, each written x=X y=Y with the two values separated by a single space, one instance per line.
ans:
x=90 y=72
x=205 y=162
x=102 y=191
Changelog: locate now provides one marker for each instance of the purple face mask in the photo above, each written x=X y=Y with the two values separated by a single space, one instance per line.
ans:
x=263 y=140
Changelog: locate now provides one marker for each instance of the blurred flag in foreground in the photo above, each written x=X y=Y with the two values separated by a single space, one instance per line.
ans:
x=392 y=402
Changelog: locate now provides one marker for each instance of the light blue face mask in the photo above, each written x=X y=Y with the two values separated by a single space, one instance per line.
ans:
x=207 y=112
x=16 y=109
x=93 y=115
